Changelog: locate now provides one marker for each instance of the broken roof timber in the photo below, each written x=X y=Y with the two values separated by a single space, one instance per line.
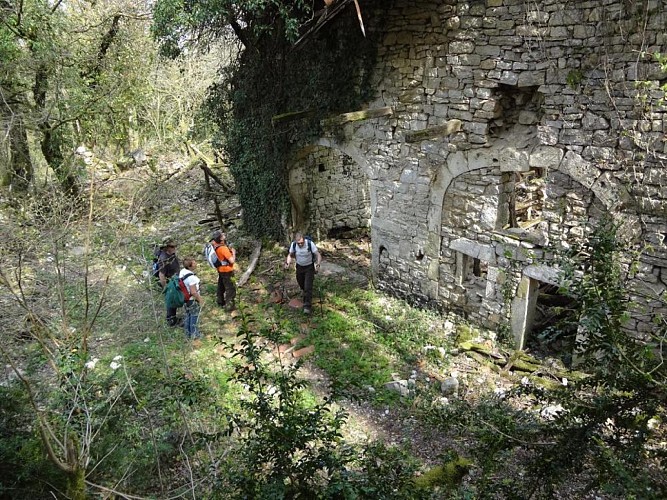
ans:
x=355 y=116
x=323 y=17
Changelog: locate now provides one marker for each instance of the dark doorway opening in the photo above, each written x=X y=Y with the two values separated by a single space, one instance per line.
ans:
x=346 y=233
x=555 y=323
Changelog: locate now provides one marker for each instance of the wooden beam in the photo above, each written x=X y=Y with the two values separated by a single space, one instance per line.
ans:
x=292 y=116
x=356 y=116
x=253 y=262
x=451 y=127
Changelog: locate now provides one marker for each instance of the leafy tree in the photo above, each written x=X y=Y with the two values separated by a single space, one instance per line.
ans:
x=65 y=68
x=179 y=24
x=605 y=422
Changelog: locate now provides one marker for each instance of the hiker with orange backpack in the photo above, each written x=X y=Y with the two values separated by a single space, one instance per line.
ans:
x=226 y=256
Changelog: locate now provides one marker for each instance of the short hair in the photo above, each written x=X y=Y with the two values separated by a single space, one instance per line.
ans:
x=216 y=235
x=188 y=261
x=298 y=236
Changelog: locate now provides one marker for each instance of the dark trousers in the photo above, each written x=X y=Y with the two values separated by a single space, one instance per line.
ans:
x=304 y=277
x=171 y=316
x=226 y=290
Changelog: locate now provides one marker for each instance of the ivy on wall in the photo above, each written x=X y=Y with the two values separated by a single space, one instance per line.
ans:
x=329 y=74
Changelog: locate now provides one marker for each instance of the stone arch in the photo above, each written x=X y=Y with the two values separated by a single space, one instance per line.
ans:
x=329 y=188
x=471 y=207
x=517 y=152
x=508 y=154
x=612 y=194
x=572 y=184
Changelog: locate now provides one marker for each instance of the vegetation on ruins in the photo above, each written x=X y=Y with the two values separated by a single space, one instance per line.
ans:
x=101 y=396
x=272 y=81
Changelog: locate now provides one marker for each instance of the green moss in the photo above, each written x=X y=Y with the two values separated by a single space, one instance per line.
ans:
x=464 y=333
x=449 y=474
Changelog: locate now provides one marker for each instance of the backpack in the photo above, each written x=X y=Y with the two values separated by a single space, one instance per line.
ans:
x=155 y=268
x=309 y=242
x=176 y=293
x=212 y=257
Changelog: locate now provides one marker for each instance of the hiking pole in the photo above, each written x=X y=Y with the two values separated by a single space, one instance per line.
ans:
x=319 y=290
x=283 y=291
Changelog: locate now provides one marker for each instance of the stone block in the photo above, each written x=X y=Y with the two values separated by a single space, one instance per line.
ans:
x=513 y=160
x=546 y=157
x=559 y=33
x=529 y=30
x=572 y=137
x=487 y=50
x=537 y=17
x=547 y=135
x=612 y=193
x=601 y=156
x=509 y=78
x=462 y=47
x=579 y=169
x=531 y=78
x=453 y=23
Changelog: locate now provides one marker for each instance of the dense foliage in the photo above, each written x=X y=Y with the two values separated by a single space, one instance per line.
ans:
x=328 y=74
x=68 y=74
x=112 y=398
x=593 y=433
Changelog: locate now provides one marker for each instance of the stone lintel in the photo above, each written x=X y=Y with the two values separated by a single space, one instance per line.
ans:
x=474 y=249
x=451 y=127
x=545 y=274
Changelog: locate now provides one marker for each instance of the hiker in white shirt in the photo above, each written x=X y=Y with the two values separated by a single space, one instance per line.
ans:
x=192 y=306
x=308 y=258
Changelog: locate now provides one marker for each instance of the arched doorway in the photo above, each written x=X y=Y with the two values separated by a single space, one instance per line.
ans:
x=329 y=191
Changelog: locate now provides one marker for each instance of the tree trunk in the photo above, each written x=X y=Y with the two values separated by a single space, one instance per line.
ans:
x=52 y=137
x=52 y=151
x=76 y=484
x=20 y=166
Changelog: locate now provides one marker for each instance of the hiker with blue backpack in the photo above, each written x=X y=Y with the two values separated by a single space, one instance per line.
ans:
x=168 y=266
x=308 y=258
x=222 y=256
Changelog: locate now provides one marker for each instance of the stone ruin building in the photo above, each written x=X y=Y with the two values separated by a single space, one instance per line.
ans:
x=499 y=129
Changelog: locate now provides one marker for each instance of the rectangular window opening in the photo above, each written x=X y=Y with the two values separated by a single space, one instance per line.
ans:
x=525 y=198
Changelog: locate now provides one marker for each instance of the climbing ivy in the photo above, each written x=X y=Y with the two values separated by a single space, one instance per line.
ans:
x=328 y=74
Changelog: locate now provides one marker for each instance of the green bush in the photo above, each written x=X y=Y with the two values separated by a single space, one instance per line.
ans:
x=25 y=470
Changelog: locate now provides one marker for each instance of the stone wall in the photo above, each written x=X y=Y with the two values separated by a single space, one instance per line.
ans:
x=329 y=192
x=515 y=127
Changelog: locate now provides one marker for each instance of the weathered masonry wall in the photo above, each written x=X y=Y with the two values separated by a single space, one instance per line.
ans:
x=515 y=126
x=329 y=192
